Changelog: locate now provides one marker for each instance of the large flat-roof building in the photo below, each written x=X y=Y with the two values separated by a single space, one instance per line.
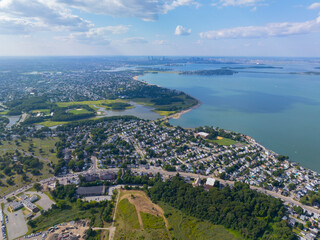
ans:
x=209 y=183
x=91 y=191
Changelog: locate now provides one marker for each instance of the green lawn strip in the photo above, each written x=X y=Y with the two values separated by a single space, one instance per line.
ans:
x=38 y=206
x=49 y=196
x=37 y=196
x=151 y=221
x=45 y=111
x=4 y=112
x=182 y=226
x=98 y=103
x=165 y=113
x=51 y=123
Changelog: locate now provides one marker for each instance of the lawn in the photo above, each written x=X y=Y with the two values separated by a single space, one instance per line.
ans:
x=184 y=227
x=4 y=112
x=79 y=111
x=165 y=113
x=98 y=103
x=45 y=111
x=51 y=123
x=40 y=147
x=224 y=141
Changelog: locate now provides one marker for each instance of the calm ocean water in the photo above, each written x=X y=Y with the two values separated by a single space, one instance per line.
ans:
x=278 y=109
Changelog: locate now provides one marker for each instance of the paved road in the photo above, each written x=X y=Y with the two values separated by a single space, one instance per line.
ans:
x=155 y=170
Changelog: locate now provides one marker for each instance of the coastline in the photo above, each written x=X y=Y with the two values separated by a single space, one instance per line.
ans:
x=178 y=114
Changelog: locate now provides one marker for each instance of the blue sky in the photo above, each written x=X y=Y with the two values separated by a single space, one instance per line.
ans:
x=160 y=27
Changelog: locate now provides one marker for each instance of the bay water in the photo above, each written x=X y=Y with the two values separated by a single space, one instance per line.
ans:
x=279 y=109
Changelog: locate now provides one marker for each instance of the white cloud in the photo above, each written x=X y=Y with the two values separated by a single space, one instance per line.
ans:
x=226 y=3
x=147 y=10
x=27 y=16
x=180 y=30
x=179 y=3
x=314 y=5
x=99 y=35
x=269 y=30
x=20 y=16
x=134 y=40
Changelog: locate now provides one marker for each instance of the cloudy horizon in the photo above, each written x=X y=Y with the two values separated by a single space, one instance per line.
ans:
x=160 y=27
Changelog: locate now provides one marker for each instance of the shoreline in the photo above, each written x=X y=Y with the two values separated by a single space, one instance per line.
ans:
x=178 y=114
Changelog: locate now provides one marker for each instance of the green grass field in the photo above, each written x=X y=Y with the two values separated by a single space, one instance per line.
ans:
x=165 y=113
x=79 y=111
x=45 y=111
x=4 y=112
x=224 y=141
x=183 y=227
x=97 y=103
x=152 y=222
x=51 y=123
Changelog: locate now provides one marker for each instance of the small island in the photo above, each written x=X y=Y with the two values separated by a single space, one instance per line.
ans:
x=209 y=72
x=254 y=67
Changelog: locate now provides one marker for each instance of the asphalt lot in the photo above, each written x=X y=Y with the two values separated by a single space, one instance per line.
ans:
x=16 y=226
x=45 y=202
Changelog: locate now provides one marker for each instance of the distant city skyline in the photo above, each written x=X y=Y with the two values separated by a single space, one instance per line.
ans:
x=286 y=28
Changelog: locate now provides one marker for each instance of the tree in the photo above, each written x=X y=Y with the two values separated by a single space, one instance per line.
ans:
x=300 y=226
x=308 y=223
x=292 y=186
x=10 y=181
x=298 y=209
x=37 y=186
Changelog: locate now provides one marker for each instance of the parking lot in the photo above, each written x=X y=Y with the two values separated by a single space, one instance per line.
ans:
x=45 y=202
x=16 y=226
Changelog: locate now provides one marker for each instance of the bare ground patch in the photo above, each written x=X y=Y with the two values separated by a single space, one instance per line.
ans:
x=143 y=204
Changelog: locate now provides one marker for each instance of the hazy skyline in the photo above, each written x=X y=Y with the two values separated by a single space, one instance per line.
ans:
x=159 y=27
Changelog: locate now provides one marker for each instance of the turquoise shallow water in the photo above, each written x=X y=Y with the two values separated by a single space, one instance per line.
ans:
x=279 y=110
